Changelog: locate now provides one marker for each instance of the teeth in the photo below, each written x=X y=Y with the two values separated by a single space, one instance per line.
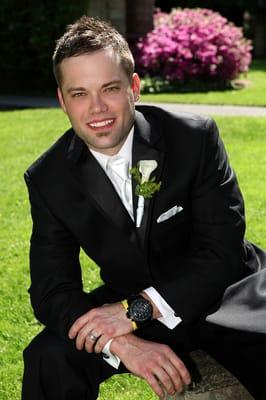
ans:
x=101 y=123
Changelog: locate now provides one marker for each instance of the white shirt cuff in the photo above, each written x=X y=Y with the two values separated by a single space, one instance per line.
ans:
x=109 y=357
x=168 y=318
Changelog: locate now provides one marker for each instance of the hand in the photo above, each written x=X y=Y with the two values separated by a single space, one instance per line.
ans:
x=155 y=362
x=105 y=322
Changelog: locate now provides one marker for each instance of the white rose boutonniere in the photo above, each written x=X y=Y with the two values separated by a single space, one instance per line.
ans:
x=146 y=187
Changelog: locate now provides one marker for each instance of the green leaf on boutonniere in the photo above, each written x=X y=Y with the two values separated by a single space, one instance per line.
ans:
x=147 y=188
x=134 y=171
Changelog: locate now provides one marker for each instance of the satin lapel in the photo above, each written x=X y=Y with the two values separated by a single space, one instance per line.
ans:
x=93 y=182
x=146 y=146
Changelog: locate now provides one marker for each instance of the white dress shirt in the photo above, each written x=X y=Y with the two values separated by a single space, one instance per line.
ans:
x=168 y=317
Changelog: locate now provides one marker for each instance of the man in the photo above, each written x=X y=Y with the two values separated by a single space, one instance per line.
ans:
x=166 y=254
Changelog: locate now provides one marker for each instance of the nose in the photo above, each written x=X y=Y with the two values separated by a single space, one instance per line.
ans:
x=97 y=104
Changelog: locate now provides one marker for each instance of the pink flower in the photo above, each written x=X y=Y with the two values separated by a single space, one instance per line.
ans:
x=193 y=43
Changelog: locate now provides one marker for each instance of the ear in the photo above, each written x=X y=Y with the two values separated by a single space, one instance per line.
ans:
x=135 y=86
x=61 y=99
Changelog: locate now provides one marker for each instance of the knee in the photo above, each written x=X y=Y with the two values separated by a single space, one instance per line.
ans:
x=44 y=346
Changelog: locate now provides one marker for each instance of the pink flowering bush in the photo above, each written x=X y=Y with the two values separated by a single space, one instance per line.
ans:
x=190 y=44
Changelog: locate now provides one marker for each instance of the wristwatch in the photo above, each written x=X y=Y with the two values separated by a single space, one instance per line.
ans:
x=139 y=310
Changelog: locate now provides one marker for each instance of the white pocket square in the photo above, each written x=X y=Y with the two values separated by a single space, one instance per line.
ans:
x=169 y=213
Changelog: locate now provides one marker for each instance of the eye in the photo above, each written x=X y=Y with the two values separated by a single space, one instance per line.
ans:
x=112 y=89
x=78 y=94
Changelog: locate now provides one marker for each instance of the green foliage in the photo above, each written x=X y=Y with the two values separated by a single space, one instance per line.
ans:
x=24 y=136
x=156 y=84
x=215 y=3
x=253 y=94
x=227 y=8
x=28 y=41
x=145 y=189
x=135 y=172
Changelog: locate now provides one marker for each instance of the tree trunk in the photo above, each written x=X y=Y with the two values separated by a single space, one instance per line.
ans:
x=260 y=33
x=139 y=18
x=113 y=11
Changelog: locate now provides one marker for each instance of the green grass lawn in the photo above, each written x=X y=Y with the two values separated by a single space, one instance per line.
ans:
x=253 y=95
x=24 y=135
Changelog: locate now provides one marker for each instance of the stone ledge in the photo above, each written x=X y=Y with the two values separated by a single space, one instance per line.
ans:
x=216 y=382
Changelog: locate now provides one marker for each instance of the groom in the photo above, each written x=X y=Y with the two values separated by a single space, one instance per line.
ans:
x=168 y=239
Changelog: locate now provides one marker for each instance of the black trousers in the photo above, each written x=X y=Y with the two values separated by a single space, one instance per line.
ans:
x=55 y=370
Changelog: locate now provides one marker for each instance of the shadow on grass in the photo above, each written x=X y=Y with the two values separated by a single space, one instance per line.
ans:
x=158 y=84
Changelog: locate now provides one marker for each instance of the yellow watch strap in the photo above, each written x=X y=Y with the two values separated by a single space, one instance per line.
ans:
x=125 y=305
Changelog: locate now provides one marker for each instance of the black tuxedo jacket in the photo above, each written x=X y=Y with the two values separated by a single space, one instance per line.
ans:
x=190 y=258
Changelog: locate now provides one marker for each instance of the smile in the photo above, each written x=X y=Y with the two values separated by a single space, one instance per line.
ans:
x=101 y=124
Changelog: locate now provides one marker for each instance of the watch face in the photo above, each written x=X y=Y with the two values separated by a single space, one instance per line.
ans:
x=140 y=310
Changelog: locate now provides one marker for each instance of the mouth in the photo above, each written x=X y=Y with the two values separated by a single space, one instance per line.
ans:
x=101 y=124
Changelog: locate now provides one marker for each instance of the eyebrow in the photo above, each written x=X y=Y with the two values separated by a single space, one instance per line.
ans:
x=111 y=83
x=75 y=89
x=82 y=89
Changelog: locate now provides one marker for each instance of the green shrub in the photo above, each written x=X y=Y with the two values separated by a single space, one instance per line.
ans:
x=28 y=33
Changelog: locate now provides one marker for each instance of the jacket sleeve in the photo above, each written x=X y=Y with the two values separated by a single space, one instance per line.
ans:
x=56 y=290
x=214 y=257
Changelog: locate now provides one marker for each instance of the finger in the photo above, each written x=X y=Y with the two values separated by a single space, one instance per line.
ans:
x=100 y=343
x=165 y=380
x=78 y=325
x=175 y=376
x=83 y=336
x=89 y=344
x=155 y=385
x=182 y=369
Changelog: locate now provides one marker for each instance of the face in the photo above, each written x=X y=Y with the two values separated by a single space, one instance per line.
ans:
x=99 y=99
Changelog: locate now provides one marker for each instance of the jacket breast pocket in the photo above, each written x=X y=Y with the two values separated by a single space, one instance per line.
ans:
x=173 y=215
x=172 y=230
x=172 y=235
